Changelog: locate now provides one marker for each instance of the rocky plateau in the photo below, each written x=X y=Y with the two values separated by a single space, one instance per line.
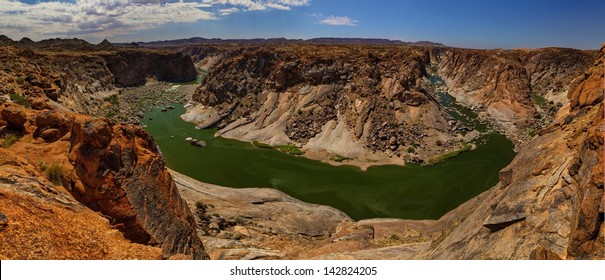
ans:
x=77 y=185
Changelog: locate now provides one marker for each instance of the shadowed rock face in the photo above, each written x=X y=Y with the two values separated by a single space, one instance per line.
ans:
x=116 y=170
x=131 y=68
x=42 y=221
x=504 y=82
x=124 y=177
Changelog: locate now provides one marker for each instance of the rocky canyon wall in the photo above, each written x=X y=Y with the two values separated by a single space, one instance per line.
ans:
x=81 y=78
x=109 y=180
x=549 y=201
x=378 y=98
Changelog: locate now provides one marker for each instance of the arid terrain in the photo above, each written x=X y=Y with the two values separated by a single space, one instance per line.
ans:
x=80 y=178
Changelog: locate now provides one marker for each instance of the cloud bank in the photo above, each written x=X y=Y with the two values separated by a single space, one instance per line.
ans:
x=107 y=18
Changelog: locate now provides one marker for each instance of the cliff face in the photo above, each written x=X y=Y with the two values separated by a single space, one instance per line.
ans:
x=133 y=68
x=39 y=220
x=549 y=201
x=350 y=101
x=507 y=84
x=377 y=99
x=80 y=80
x=114 y=169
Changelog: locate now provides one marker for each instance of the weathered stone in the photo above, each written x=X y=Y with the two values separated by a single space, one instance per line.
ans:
x=51 y=134
x=15 y=117
x=3 y=220
x=97 y=132
x=506 y=176
x=504 y=216
x=54 y=120
x=139 y=177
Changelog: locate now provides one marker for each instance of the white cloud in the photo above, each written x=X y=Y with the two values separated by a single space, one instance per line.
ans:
x=259 y=5
x=332 y=20
x=107 y=18
x=96 y=18
x=225 y=12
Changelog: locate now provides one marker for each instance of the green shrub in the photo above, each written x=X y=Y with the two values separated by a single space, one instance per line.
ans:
x=293 y=150
x=54 y=173
x=43 y=166
x=262 y=145
x=9 y=140
x=20 y=80
x=465 y=147
x=17 y=98
x=539 y=100
x=411 y=150
x=113 y=100
x=239 y=220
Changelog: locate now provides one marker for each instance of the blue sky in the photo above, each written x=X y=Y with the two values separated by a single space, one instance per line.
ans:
x=461 y=23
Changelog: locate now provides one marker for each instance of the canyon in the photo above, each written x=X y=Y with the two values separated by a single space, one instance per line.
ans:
x=374 y=104
x=68 y=162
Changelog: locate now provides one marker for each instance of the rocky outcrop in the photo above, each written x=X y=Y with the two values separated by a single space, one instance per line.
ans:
x=123 y=175
x=377 y=101
x=319 y=96
x=552 y=206
x=15 y=118
x=82 y=80
x=42 y=221
x=547 y=205
x=505 y=83
x=133 y=68
x=116 y=170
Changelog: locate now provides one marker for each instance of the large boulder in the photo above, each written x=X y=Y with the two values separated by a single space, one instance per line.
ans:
x=15 y=117
x=51 y=126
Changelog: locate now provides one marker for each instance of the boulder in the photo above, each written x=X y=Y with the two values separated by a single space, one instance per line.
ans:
x=51 y=126
x=15 y=117
x=97 y=132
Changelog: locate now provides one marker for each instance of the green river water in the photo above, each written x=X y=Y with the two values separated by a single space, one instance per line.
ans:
x=411 y=191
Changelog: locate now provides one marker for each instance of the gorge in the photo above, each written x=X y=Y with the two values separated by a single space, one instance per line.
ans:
x=364 y=105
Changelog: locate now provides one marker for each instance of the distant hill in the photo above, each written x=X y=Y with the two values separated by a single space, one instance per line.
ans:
x=325 y=40
x=79 y=44
x=56 y=43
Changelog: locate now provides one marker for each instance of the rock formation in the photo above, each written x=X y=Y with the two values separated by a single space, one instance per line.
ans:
x=113 y=169
x=42 y=221
x=107 y=183
x=504 y=84
x=348 y=101
x=364 y=101
x=549 y=201
x=81 y=80
x=551 y=206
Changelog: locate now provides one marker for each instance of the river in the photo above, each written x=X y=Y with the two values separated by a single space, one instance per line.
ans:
x=411 y=191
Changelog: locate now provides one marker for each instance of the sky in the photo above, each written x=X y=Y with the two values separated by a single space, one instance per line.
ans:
x=484 y=24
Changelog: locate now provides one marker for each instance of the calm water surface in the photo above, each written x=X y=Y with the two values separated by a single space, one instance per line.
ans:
x=411 y=191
